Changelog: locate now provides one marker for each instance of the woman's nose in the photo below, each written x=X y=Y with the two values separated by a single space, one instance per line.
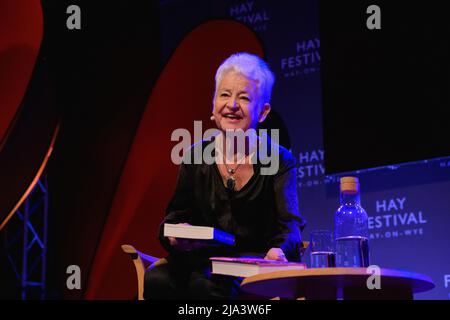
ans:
x=232 y=105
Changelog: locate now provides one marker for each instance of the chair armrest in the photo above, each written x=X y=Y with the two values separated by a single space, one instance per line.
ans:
x=141 y=262
x=135 y=254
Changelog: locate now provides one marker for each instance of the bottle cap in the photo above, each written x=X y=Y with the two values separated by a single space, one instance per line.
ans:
x=349 y=184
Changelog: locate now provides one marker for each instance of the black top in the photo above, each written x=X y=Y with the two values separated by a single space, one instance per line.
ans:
x=263 y=214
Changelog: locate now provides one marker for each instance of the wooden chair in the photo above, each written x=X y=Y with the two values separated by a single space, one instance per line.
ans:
x=143 y=261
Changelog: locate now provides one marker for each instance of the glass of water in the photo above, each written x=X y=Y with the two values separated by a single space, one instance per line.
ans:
x=322 y=249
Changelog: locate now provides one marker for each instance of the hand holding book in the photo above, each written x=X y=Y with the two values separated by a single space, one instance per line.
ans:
x=184 y=244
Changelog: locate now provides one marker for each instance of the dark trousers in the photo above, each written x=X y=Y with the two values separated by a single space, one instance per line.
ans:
x=185 y=279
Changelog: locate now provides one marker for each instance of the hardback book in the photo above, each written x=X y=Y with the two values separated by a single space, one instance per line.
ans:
x=208 y=234
x=247 y=267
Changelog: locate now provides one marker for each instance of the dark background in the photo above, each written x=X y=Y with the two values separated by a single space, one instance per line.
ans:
x=385 y=92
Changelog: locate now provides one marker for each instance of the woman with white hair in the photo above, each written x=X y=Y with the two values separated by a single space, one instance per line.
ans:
x=232 y=194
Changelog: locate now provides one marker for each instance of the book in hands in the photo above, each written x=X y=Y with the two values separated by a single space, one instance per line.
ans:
x=200 y=233
x=247 y=267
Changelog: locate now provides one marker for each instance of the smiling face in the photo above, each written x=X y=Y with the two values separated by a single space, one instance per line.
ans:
x=237 y=103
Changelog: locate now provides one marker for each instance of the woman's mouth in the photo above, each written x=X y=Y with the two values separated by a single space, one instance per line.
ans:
x=232 y=117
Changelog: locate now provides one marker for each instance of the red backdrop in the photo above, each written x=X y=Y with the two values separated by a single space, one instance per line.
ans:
x=21 y=25
x=182 y=94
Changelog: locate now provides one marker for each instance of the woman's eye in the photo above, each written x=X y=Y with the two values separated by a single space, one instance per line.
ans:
x=224 y=95
x=245 y=98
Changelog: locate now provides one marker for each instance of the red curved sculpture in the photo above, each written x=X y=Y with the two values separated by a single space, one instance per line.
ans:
x=21 y=22
x=182 y=94
x=22 y=25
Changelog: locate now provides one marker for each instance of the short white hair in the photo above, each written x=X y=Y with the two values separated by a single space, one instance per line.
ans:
x=252 y=67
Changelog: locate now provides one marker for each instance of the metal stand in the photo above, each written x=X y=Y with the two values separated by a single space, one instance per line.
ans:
x=28 y=257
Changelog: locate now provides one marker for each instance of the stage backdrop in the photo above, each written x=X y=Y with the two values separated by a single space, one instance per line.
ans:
x=408 y=205
x=137 y=71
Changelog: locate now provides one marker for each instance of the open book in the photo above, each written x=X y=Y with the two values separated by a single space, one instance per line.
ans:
x=209 y=234
x=246 y=267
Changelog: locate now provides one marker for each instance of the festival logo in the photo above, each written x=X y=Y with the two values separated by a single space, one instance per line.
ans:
x=311 y=170
x=394 y=219
x=305 y=61
x=251 y=13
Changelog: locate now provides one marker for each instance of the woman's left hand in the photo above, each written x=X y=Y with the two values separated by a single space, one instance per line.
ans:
x=275 y=254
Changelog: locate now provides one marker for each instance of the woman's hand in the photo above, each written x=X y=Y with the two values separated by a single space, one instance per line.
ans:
x=275 y=254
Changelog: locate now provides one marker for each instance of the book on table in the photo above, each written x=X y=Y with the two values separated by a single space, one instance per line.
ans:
x=247 y=267
x=200 y=233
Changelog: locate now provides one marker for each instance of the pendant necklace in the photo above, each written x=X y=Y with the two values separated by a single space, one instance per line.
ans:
x=231 y=181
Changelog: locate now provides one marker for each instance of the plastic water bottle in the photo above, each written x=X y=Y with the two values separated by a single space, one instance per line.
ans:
x=351 y=227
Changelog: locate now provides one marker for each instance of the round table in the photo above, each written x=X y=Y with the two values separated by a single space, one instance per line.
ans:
x=337 y=283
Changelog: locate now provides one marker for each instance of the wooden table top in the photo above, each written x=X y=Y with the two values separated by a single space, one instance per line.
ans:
x=288 y=283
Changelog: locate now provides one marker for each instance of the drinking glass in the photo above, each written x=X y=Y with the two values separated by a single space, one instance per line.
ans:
x=322 y=249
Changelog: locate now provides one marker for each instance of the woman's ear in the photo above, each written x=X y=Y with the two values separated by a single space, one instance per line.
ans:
x=264 y=112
